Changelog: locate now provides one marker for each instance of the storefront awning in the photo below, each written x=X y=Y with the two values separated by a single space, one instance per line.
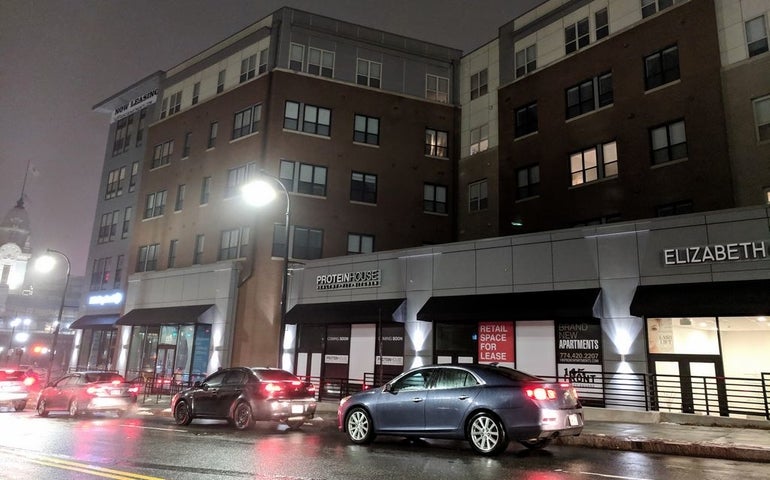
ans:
x=546 y=305
x=94 y=321
x=182 y=315
x=369 y=311
x=709 y=299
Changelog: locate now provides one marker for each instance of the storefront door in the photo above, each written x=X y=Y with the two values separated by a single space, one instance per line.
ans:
x=689 y=384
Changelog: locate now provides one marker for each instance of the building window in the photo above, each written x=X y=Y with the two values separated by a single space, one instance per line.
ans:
x=589 y=95
x=651 y=7
x=437 y=88
x=436 y=143
x=360 y=243
x=172 y=253
x=134 y=177
x=311 y=119
x=147 y=259
x=233 y=243
x=576 y=36
x=479 y=84
x=187 y=145
x=279 y=240
x=221 y=81
x=115 y=181
x=118 y=271
x=669 y=142
x=248 y=68
x=175 y=103
x=528 y=182
x=262 y=61
x=163 y=108
x=594 y=163
x=434 y=198
x=363 y=187
x=767 y=196
x=479 y=139
x=310 y=181
x=205 y=190
x=155 y=204
x=366 y=130
x=198 y=252
x=661 y=67
x=526 y=60
x=368 y=73
x=676 y=208
x=114 y=225
x=126 y=222
x=140 y=126
x=307 y=243
x=602 y=24
x=179 y=204
x=756 y=36
x=247 y=121
x=104 y=228
x=236 y=177
x=478 y=196
x=162 y=154
x=762 y=118
x=213 y=129
x=122 y=135
x=320 y=62
x=526 y=120
x=196 y=92
x=296 y=57
x=100 y=273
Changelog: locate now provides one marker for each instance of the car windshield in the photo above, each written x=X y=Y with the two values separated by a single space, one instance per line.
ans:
x=11 y=375
x=274 y=375
x=103 y=377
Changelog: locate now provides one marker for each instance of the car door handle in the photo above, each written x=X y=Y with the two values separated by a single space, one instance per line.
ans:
x=463 y=397
x=417 y=399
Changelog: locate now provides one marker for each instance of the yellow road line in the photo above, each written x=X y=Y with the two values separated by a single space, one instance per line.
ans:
x=86 y=468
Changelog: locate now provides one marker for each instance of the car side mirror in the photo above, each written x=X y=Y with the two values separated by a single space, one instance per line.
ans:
x=197 y=384
x=388 y=388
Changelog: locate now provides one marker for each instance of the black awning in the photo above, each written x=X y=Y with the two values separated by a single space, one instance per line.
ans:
x=708 y=299
x=546 y=305
x=94 y=321
x=369 y=311
x=182 y=315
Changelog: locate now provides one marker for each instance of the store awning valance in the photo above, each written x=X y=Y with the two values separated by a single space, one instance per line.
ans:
x=708 y=299
x=94 y=321
x=181 y=315
x=368 y=311
x=546 y=305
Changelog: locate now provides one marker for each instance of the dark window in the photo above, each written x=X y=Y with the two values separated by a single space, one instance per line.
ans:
x=162 y=154
x=528 y=182
x=478 y=196
x=248 y=68
x=669 y=142
x=434 y=198
x=661 y=67
x=247 y=121
x=307 y=118
x=360 y=243
x=526 y=61
x=589 y=95
x=576 y=36
x=479 y=83
x=213 y=129
x=155 y=204
x=526 y=120
x=198 y=253
x=363 y=187
x=676 y=208
x=756 y=36
x=187 y=145
x=366 y=130
x=147 y=258
x=307 y=243
x=602 y=24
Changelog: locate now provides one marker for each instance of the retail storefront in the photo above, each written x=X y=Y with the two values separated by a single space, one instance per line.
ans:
x=97 y=341
x=684 y=296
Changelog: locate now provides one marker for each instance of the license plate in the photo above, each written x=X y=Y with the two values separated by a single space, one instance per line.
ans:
x=114 y=392
x=573 y=420
x=297 y=408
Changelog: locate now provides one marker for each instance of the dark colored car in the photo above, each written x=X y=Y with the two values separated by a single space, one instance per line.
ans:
x=88 y=392
x=244 y=395
x=15 y=388
x=488 y=405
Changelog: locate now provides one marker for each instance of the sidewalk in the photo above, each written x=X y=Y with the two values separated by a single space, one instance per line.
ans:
x=639 y=431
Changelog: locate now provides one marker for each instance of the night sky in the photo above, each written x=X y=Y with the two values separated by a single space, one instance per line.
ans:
x=58 y=58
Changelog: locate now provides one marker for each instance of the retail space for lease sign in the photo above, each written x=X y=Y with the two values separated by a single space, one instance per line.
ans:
x=495 y=342
x=579 y=356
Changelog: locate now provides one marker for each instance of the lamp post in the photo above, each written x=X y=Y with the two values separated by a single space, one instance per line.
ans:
x=260 y=193
x=46 y=264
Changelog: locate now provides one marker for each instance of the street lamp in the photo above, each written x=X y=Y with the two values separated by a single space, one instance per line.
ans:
x=14 y=323
x=46 y=264
x=259 y=193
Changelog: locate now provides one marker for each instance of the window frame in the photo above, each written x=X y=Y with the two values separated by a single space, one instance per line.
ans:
x=363 y=194
x=523 y=64
x=239 y=176
x=433 y=88
x=666 y=74
x=532 y=188
x=605 y=166
x=243 y=125
x=478 y=201
x=430 y=201
x=315 y=187
x=481 y=143
x=368 y=79
x=669 y=147
x=303 y=124
x=577 y=36
x=236 y=240
x=161 y=155
x=479 y=83
x=525 y=120
x=762 y=41
x=762 y=130
x=155 y=204
x=366 y=136
x=248 y=68
x=433 y=145
x=359 y=239
x=323 y=70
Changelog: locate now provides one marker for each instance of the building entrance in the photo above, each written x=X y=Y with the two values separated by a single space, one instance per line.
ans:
x=689 y=384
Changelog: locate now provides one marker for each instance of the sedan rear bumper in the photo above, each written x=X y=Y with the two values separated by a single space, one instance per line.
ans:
x=288 y=409
x=8 y=397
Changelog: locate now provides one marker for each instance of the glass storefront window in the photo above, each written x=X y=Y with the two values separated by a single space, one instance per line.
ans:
x=200 y=355
x=744 y=346
x=143 y=351
x=683 y=336
x=184 y=349
x=168 y=334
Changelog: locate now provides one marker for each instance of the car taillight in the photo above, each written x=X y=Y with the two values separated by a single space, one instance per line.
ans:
x=540 y=393
x=310 y=387
x=29 y=381
x=271 y=388
x=133 y=390
x=92 y=390
x=116 y=382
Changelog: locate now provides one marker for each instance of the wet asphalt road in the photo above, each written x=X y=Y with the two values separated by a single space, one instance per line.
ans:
x=148 y=448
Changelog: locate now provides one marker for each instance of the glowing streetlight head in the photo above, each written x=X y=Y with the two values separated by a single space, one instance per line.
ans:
x=258 y=193
x=45 y=263
x=21 y=337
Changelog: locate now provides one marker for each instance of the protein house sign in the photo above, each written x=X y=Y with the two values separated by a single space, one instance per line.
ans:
x=728 y=252
x=336 y=281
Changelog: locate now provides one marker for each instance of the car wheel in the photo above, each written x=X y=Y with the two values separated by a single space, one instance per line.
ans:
x=19 y=406
x=295 y=424
x=74 y=408
x=242 y=416
x=359 y=426
x=486 y=434
x=42 y=410
x=182 y=413
x=536 y=444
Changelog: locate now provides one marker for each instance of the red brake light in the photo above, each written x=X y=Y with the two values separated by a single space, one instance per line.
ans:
x=310 y=387
x=133 y=390
x=540 y=393
x=296 y=383
x=116 y=382
x=272 y=388
x=29 y=381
